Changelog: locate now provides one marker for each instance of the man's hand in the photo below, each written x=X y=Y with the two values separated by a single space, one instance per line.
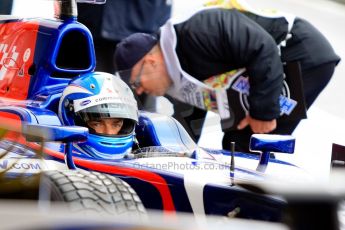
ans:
x=257 y=126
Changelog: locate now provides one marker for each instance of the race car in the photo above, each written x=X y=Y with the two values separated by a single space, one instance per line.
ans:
x=165 y=170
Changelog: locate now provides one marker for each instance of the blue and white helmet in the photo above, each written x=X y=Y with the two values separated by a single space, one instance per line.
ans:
x=100 y=95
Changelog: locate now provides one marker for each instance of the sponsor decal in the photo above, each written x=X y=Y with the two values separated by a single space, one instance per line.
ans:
x=286 y=105
x=86 y=102
x=26 y=55
x=241 y=85
x=20 y=165
x=116 y=101
x=106 y=99
x=21 y=71
x=8 y=59
x=17 y=49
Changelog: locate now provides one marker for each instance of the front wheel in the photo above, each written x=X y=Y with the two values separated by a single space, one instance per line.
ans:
x=90 y=192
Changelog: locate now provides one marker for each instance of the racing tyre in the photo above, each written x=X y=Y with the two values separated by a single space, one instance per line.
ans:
x=90 y=192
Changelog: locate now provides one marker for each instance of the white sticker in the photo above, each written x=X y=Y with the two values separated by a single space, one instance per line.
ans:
x=27 y=54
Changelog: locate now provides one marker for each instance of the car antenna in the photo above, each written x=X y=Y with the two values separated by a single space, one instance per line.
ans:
x=65 y=9
x=137 y=143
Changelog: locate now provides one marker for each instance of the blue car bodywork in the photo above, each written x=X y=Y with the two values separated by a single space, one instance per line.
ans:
x=167 y=169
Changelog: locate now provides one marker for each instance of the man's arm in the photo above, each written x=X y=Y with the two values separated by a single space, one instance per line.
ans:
x=218 y=40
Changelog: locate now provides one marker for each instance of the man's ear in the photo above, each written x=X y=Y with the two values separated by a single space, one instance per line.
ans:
x=151 y=59
x=154 y=56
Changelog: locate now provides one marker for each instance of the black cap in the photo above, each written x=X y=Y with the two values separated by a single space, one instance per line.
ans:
x=133 y=48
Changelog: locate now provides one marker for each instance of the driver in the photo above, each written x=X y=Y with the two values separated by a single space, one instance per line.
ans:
x=105 y=105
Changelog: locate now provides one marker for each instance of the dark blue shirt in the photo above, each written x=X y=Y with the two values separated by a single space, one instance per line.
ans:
x=118 y=19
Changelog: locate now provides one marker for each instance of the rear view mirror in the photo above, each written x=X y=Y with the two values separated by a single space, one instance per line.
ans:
x=65 y=134
x=272 y=143
x=267 y=143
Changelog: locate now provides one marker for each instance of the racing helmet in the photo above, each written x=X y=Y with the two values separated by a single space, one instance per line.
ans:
x=100 y=95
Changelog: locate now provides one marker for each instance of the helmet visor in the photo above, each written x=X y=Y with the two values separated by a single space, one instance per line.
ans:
x=112 y=110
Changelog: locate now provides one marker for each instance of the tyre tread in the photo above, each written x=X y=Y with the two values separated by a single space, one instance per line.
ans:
x=89 y=191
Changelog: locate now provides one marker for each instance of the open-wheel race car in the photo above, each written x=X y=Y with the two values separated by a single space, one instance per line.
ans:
x=160 y=168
